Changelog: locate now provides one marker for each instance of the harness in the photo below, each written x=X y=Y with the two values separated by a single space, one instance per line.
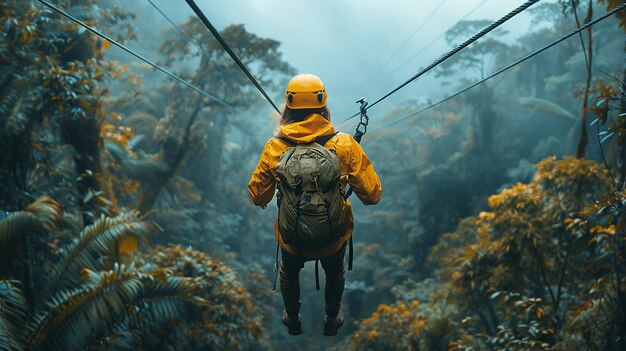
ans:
x=361 y=130
x=322 y=140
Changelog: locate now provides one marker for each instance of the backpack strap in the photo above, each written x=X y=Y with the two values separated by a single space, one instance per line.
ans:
x=350 y=253
x=317 y=275
x=325 y=138
x=283 y=138
x=276 y=266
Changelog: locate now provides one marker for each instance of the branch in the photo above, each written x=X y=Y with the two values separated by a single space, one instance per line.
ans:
x=542 y=272
x=582 y=142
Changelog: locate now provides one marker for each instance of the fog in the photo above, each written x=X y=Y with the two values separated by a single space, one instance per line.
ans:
x=129 y=219
x=346 y=43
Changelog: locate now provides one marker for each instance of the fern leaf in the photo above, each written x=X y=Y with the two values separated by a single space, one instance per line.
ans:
x=14 y=313
x=123 y=299
x=99 y=240
x=120 y=340
x=78 y=317
x=14 y=229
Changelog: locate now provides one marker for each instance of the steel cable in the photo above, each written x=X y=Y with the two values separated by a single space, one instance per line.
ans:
x=230 y=51
x=528 y=56
x=123 y=47
x=454 y=51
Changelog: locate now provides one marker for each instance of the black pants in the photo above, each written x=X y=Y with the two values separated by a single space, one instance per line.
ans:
x=334 y=268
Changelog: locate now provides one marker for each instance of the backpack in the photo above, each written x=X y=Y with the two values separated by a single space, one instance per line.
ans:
x=310 y=196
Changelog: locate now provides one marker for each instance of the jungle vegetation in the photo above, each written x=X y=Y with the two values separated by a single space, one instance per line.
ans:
x=125 y=221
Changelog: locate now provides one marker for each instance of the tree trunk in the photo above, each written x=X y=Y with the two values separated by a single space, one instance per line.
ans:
x=581 y=148
x=621 y=139
x=619 y=239
x=172 y=156
x=84 y=137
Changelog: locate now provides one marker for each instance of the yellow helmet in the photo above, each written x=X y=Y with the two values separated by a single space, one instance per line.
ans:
x=305 y=91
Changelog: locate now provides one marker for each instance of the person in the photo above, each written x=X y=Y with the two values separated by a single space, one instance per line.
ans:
x=306 y=121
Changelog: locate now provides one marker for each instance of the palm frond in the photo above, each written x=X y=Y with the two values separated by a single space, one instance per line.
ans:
x=15 y=228
x=121 y=340
x=230 y=319
x=77 y=317
x=47 y=212
x=14 y=313
x=167 y=303
x=123 y=299
x=99 y=240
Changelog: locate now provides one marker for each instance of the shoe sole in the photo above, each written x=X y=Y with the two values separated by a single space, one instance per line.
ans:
x=293 y=331
x=331 y=330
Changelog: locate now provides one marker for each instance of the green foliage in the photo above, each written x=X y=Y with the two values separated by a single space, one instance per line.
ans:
x=535 y=267
x=403 y=326
x=17 y=229
x=105 y=239
x=611 y=4
x=79 y=317
x=68 y=139
x=497 y=263
x=396 y=327
x=52 y=85
x=229 y=319
x=13 y=310
x=537 y=271
x=216 y=71
x=476 y=57
x=168 y=298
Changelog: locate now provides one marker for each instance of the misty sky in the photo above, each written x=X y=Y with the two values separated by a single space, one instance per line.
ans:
x=346 y=42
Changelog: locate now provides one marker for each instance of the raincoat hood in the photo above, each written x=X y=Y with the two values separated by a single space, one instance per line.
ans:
x=307 y=130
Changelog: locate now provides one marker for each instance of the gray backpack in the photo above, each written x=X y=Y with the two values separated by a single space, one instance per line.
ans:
x=310 y=197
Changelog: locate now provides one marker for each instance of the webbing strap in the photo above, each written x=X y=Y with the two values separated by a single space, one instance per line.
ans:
x=286 y=140
x=350 y=253
x=276 y=266
x=317 y=275
x=325 y=138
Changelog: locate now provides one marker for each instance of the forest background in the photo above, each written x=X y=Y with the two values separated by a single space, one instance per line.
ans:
x=126 y=223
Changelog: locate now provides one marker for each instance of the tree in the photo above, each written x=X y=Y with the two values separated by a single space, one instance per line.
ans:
x=215 y=73
x=95 y=296
x=508 y=286
x=476 y=58
x=52 y=85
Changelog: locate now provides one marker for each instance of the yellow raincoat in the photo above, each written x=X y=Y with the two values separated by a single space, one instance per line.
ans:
x=356 y=170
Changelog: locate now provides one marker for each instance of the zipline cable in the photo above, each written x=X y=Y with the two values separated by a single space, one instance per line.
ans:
x=230 y=51
x=392 y=56
x=441 y=35
x=528 y=56
x=424 y=49
x=119 y=45
x=176 y=26
x=454 y=51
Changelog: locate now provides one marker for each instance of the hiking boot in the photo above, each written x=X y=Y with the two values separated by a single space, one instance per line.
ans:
x=332 y=324
x=294 y=325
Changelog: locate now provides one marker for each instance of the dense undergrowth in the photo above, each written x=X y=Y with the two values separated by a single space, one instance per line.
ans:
x=543 y=266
